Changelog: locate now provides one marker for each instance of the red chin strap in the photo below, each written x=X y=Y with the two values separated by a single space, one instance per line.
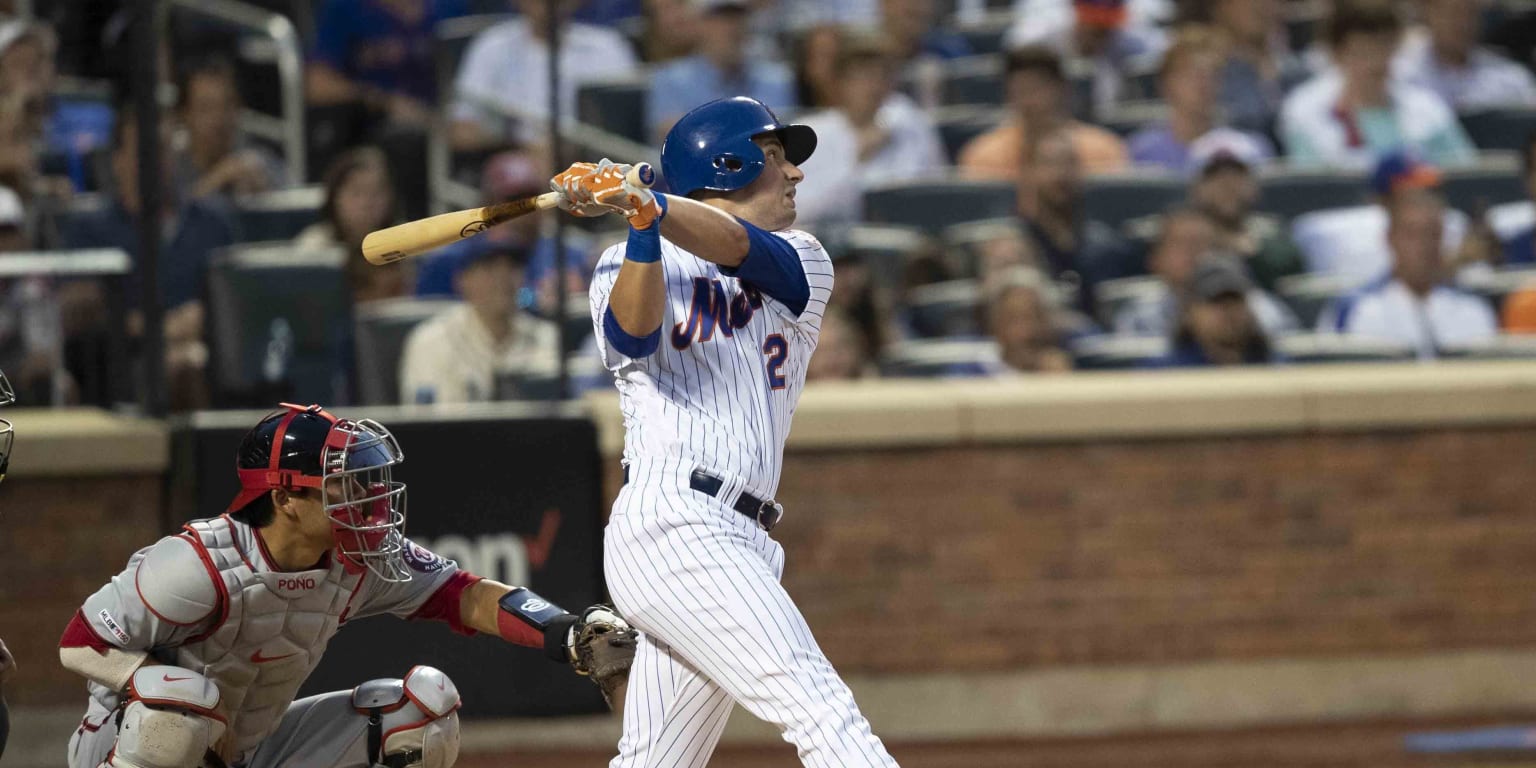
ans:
x=255 y=483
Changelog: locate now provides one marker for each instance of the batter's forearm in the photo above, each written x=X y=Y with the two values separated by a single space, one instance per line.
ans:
x=705 y=231
x=639 y=298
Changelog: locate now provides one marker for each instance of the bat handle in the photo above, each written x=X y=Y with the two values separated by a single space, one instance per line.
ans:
x=641 y=176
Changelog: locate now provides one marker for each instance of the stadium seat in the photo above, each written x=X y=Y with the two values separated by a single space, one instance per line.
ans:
x=1309 y=294
x=986 y=36
x=1111 y=296
x=616 y=106
x=1507 y=128
x=451 y=39
x=1493 y=181
x=586 y=372
x=1119 y=197
x=945 y=310
x=1495 y=284
x=1316 y=348
x=958 y=125
x=935 y=204
x=972 y=80
x=382 y=328
x=885 y=250
x=278 y=215
x=937 y=358
x=1501 y=347
x=963 y=243
x=280 y=325
x=1108 y=352
x=1291 y=193
x=1129 y=117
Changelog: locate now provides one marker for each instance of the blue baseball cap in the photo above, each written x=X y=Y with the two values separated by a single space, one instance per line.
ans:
x=1399 y=170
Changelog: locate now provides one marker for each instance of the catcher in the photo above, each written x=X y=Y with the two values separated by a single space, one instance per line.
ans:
x=195 y=651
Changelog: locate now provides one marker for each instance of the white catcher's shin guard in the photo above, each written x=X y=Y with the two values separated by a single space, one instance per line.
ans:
x=170 y=721
x=412 y=723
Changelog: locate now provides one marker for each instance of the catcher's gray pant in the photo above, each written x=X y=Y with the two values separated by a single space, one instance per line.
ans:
x=701 y=582
x=321 y=731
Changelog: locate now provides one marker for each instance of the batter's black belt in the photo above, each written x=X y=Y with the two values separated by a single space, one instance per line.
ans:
x=765 y=513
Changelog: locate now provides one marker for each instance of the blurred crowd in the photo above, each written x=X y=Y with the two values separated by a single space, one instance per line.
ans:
x=1007 y=187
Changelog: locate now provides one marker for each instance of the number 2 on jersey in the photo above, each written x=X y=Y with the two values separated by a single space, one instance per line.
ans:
x=776 y=348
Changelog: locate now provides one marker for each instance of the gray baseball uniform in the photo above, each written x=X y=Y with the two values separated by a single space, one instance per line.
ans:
x=209 y=599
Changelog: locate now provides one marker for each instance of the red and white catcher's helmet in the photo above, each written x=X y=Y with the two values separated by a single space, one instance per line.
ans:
x=351 y=462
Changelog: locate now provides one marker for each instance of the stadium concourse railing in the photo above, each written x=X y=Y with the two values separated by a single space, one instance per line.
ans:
x=286 y=53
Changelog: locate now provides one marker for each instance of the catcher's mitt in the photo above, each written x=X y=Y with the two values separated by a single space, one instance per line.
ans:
x=603 y=647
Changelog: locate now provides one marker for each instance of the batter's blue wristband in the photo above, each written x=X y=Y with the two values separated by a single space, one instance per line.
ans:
x=645 y=244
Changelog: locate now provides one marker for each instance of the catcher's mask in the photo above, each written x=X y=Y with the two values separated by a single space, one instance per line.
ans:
x=6 y=433
x=351 y=463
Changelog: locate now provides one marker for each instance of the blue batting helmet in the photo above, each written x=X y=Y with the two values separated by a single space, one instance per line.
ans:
x=711 y=147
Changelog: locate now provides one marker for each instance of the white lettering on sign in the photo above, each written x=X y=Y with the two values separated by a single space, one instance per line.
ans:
x=499 y=556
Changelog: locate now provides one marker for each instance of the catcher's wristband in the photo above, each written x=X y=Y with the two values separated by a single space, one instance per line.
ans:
x=547 y=618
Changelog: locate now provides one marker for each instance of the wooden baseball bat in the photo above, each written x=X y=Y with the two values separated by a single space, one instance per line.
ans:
x=414 y=238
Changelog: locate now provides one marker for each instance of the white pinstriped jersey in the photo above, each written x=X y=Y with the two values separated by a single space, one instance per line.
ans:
x=721 y=388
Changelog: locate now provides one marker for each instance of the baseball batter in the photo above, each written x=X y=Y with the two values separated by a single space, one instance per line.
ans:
x=195 y=651
x=708 y=315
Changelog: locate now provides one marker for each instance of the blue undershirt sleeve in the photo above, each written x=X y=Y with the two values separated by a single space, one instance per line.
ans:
x=773 y=266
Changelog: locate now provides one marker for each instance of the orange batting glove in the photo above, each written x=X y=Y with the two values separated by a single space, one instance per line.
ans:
x=573 y=196
x=605 y=186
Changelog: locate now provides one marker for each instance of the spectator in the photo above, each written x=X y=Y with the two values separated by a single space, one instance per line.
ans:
x=359 y=198
x=1187 y=82
x=1444 y=57
x=1520 y=248
x=1225 y=189
x=1519 y=313
x=1352 y=241
x=671 y=30
x=31 y=327
x=842 y=354
x=457 y=356
x=1258 y=67
x=513 y=176
x=1415 y=304
x=1188 y=240
x=874 y=134
x=501 y=91
x=1216 y=322
x=39 y=119
x=720 y=69
x=1020 y=318
x=1075 y=252
x=1037 y=100
x=921 y=43
x=816 y=51
x=216 y=158
x=1343 y=118
x=917 y=32
x=862 y=300
x=378 y=53
x=1098 y=35
x=190 y=231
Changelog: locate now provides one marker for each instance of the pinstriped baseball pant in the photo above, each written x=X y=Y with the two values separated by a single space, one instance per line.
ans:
x=701 y=582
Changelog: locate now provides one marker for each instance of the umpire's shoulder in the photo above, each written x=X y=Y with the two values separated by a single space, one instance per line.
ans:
x=174 y=582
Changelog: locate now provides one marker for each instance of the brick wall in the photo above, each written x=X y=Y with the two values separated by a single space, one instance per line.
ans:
x=975 y=558
x=61 y=539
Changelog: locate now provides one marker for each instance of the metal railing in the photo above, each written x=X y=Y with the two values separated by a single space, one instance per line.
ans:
x=286 y=129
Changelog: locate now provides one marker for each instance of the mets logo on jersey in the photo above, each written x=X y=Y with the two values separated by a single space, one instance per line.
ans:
x=710 y=310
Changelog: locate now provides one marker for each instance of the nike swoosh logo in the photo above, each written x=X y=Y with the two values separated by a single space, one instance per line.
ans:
x=260 y=659
x=170 y=679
